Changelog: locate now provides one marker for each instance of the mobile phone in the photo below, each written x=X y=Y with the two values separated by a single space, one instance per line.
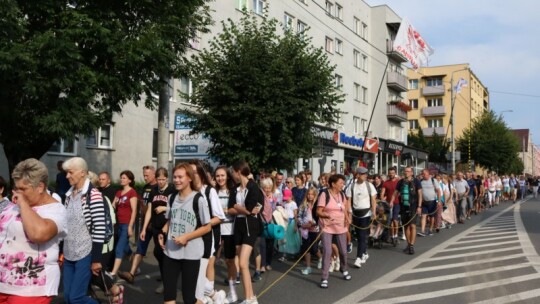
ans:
x=258 y=205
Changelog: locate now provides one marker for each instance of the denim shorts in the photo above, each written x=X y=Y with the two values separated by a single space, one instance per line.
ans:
x=429 y=208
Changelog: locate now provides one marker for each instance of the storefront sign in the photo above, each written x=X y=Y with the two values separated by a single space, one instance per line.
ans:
x=393 y=147
x=186 y=144
x=356 y=143
x=326 y=134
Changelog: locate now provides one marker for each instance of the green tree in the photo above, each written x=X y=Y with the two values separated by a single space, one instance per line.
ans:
x=67 y=66
x=435 y=145
x=493 y=145
x=258 y=93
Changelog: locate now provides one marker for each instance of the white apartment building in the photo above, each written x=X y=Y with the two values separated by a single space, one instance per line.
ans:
x=357 y=39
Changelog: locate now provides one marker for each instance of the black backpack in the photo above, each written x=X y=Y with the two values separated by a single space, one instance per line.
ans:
x=314 y=214
x=109 y=227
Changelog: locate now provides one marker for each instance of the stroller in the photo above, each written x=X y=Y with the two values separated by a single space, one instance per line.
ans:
x=378 y=231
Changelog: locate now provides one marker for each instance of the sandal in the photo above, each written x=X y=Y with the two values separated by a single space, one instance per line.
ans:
x=324 y=284
x=119 y=295
x=127 y=276
x=346 y=276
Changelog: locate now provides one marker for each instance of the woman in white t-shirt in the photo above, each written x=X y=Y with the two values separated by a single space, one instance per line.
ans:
x=30 y=230
x=181 y=237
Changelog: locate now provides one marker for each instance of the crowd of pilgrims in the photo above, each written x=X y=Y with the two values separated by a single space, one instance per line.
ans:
x=198 y=216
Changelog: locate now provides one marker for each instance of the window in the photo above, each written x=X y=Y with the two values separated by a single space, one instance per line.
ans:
x=431 y=82
x=339 y=46
x=364 y=95
x=413 y=124
x=288 y=21
x=357 y=92
x=339 y=81
x=413 y=103
x=363 y=125
x=329 y=45
x=101 y=138
x=339 y=12
x=300 y=27
x=364 y=63
x=258 y=6
x=329 y=8
x=357 y=26
x=413 y=84
x=64 y=146
x=435 y=123
x=357 y=126
x=185 y=89
x=357 y=59
x=435 y=102
x=363 y=30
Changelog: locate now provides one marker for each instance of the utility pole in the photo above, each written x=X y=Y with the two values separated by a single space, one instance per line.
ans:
x=163 y=125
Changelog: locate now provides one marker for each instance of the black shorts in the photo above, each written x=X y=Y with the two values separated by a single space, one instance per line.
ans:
x=229 y=247
x=408 y=215
x=429 y=208
x=246 y=230
x=312 y=236
x=207 y=241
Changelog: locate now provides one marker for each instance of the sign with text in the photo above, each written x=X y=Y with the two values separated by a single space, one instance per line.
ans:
x=356 y=143
x=186 y=144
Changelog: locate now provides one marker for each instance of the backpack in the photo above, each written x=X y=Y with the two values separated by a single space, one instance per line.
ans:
x=109 y=225
x=314 y=214
x=198 y=195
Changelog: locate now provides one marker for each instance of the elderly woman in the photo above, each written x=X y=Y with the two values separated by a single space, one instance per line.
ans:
x=30 y=230
x=86 y=225
x=334 y=219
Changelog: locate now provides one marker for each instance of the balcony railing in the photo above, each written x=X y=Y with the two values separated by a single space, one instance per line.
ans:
x=396 y=56
x=434 y=111
x=433 y=90
x=395 y=113
x=396 y=81
x=441 y=131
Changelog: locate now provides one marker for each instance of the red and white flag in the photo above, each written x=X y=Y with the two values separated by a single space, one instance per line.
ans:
x=411 y=45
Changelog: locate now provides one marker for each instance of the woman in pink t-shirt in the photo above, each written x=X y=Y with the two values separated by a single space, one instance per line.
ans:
x=334 y=220
x=125 y=203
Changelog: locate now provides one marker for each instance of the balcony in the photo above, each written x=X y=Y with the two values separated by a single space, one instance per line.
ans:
x=396 y=81
x=434 y=90
x=434 y=111
x=396 y=56
x=395 y=113
x=441 y=131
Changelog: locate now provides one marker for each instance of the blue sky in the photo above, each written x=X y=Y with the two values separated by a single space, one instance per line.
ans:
x=500 y=41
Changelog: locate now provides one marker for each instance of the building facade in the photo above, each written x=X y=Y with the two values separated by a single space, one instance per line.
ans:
x=528 y=152
x=358 y=41
x=430 y=98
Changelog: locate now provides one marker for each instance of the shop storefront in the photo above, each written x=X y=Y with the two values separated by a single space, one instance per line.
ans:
x=357 y=153
x=398 y=155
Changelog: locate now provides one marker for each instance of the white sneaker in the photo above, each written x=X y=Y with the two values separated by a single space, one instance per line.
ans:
x=207 y=300
x=231 y=298
x=358 y=263
x=332 y=262
x=250 y=301
x=319 y=264
x=219 y=297
x=337 y=265
x=365 y=256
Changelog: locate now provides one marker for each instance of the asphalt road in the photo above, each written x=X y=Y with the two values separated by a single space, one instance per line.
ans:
x=492 y=258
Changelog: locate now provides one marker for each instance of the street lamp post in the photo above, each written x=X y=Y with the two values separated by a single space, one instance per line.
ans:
x=453 y=101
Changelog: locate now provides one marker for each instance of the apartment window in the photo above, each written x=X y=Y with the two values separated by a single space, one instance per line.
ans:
x=339 y=46
x=364 y=95
x=357 y=92
x=339 y=12
x=435 y=123
x=413 y=84
x=329 y=8
x=288 y=21
x=357 y=26
x=339 y=81
x=329 y=46
x=431 y=82
x=364 y=63
x=185 y=89
x=301 y=27
x=258 y=6
x=64 y=147
x=357 y=59
x=363 y=30
x=101 y=138
x=413 y=103
x=435 y=102
x=363 y=126
x=357 y=126
x=413 y=124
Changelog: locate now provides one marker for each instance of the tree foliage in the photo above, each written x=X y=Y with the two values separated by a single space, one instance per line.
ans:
x=66 y=66
x=493 y=145
x=436 y=146
x=258 y=93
